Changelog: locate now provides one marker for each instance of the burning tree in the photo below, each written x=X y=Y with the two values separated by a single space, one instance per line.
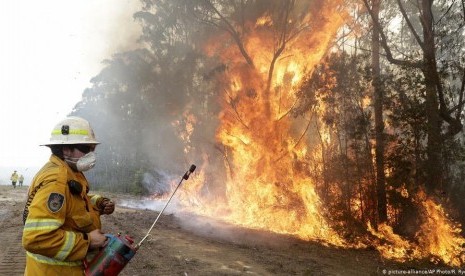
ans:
x=289 y=116
x=266 y=55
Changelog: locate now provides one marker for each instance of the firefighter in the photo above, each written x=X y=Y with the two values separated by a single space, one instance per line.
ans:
x=61 y=220
x=21 y=180
x=14 y=179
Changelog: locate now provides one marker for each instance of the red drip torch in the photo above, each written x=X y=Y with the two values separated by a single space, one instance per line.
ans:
x=118 y=251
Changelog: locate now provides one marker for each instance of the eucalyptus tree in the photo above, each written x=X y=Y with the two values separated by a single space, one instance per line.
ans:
x=428 y=36
x=378 y=97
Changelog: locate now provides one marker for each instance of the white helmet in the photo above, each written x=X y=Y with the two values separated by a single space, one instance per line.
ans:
x=72 y=130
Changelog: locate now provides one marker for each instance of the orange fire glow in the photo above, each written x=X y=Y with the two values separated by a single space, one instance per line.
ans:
x=267 y=184
x=266 y=187
x=438 y=238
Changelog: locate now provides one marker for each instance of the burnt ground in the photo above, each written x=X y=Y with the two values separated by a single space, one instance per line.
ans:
x=206 y=247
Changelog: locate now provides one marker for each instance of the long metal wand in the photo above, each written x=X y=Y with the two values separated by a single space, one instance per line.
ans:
x=185 y=177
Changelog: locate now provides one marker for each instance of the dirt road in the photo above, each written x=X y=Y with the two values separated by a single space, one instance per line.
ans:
x=12 y=256
x=189 y=245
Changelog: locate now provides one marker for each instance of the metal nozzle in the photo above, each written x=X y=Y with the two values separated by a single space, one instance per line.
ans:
x=188 y=173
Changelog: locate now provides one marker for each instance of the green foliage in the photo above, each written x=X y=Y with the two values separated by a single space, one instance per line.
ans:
x=137 y=187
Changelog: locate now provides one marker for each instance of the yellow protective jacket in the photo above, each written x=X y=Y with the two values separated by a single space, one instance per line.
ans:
x=14 y=177
x=54 y=233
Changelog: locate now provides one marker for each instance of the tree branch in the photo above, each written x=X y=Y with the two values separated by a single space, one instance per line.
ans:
x=225 y=156
x=459 y=106
x=288 y=111
x=234 y=34
x=281 y=43
x=410 y=26
x=300 y=138
x=383 y=41
x=233 y=106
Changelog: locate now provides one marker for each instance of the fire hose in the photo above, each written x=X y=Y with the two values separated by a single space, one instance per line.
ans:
x=118 y=251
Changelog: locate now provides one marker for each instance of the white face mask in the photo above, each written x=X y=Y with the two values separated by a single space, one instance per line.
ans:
x=83 y=163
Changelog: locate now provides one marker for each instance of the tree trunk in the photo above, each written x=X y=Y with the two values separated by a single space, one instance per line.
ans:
x=434 y=146
x=379 y=124
x=435 y=104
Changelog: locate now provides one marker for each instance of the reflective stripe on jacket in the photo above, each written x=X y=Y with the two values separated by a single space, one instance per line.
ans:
x=53 y=233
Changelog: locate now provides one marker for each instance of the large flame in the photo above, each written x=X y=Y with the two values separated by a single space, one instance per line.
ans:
x=438 y=238
x=267 y=184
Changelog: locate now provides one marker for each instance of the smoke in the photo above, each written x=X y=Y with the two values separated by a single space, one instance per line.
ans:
x=148 y=204
x=156 y=183
x=107 y=27
x=207 y=226
x=222 y=231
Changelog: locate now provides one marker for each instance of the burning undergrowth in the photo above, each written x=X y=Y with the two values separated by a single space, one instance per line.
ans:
x=438 y=238
x=270 y=165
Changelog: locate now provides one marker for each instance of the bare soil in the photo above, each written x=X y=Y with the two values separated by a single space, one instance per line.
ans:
x=190 y=245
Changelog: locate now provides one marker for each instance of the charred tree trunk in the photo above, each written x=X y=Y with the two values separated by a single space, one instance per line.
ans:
x=325 y=189
x=434 y=146
x=281 y=43
x=379 y=124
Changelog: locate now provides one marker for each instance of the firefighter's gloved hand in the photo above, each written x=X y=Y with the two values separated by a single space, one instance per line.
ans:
x=97 y=239
x=107 y=207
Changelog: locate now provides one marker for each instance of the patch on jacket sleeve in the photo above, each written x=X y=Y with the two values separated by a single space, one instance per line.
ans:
x=55 y=202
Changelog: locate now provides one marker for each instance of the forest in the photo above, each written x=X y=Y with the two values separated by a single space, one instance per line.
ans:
x=337 y=121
